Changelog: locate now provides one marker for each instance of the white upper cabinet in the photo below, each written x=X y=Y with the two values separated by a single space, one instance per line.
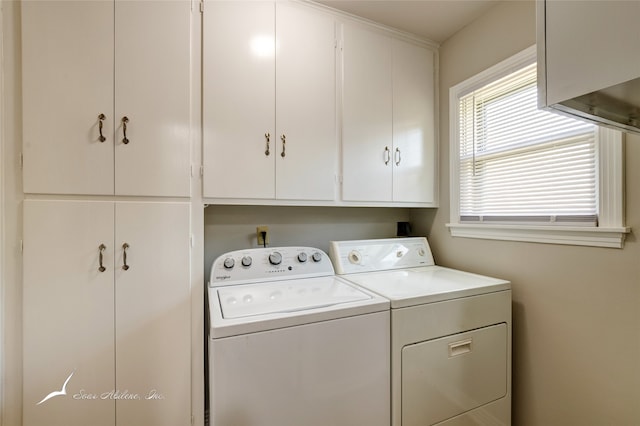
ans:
x=239 y=99
x=152 y=83
x=588 y=45
x=269 y=98
x=388 y=136
x=367 y=128
x=305 y=104
x=82 y=75
x=67 y=82
x=414 y=153
x=589 y=60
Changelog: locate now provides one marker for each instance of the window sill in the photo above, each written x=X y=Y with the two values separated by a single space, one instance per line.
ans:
x=568 y=235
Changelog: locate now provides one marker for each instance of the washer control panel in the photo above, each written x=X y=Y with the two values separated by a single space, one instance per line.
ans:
x=379 y=255
x=269 y=264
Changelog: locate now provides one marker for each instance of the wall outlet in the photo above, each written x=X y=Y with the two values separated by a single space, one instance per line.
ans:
x=263 y=235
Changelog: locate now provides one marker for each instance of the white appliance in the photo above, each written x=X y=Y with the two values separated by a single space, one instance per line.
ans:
x=291 y=344
x=450 y=333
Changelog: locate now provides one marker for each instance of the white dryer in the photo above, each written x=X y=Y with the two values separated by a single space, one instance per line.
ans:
x=291 y=344
x=450 y=333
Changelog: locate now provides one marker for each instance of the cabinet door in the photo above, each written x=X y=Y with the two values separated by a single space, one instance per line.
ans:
x=305 y=104
x=413 y=123
x=239 y=99
x=152 y=81
x=590 y=45
x=367 y=116
x=67 y=76
x=153 y=321
x=68 y=340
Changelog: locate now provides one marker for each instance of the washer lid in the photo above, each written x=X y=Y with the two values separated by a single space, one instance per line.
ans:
x=287 y=303
x=414 y=286
x=285 y=296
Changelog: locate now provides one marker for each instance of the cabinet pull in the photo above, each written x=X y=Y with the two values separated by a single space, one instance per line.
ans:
x=101 y=118
x=267 y=136
x=283 y=138
x=398 y=156
x=125 y=120
x=387 y=155
x=125 y=246
x=101 y=249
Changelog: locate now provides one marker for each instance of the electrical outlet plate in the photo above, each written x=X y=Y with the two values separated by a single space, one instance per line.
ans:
x=259 y=231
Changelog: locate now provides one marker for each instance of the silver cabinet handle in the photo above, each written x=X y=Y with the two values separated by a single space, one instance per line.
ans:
x=125 y=246
x=101 y=249
x=101 y=118
x=398 y=156
x=125 y=120
x=283 y=138
x=387 y=155
x=267 y=136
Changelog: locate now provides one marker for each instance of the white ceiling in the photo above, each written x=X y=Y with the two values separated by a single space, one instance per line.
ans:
x=436 y=20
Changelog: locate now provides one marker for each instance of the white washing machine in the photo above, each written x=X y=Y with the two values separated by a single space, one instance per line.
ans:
x=291 y=344
x=450 y=333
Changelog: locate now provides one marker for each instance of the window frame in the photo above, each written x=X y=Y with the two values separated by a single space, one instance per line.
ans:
x=610 y=231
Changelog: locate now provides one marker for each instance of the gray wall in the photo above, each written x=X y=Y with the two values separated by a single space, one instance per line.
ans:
x=576 y=310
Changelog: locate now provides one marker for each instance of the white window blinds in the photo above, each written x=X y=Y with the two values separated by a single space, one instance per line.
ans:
x=521 y=164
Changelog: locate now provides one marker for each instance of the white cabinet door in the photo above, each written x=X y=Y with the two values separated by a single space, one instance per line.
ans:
x=414 y=151
x=388 y=136
x=367 y=116
x=590 y=45
x=123 y=333
x=239 y=149
x=305 y=104
x=152 y=82
x=269 y=101
x=68 y=333
x=67 y=82
x=153 y=319
x=70 y=79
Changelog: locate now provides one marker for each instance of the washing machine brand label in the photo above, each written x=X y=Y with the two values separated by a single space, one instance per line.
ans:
x=223 y=277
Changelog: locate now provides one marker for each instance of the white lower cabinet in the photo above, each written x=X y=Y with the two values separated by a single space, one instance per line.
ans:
x=106 y=314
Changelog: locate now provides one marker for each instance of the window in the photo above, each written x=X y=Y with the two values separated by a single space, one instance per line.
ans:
x=520 y=173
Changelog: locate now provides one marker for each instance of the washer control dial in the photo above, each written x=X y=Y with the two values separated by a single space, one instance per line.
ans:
x=302 y=257
x=355 y=257
x=317 y=256
x=246 y=261
x=229 y=263
x=275 y=258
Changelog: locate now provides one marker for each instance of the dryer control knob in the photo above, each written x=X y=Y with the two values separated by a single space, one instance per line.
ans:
x=421 y=252
x=246 y=261
x=302 y=257
x=355 y=257
x=229 y=263
x=275 y=258
x=317 y=257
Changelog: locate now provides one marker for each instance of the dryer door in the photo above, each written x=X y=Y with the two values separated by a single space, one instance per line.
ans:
x=448 y=376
